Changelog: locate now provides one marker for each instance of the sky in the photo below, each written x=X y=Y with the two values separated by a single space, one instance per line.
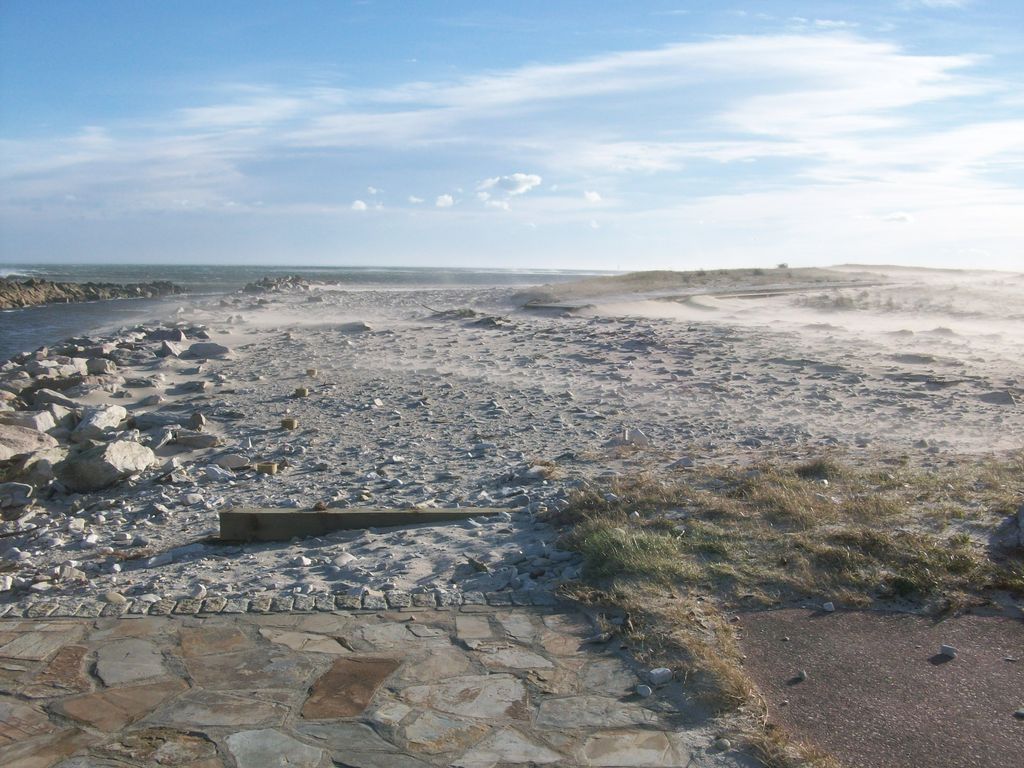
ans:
x=533 y=134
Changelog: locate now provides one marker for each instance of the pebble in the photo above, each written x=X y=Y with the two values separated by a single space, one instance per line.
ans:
x=659 y=675
x=721 y=745
x=828 y=607
x=644 y=691
x=948 y=651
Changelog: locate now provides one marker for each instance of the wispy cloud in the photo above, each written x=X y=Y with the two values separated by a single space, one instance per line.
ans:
x=831 y=111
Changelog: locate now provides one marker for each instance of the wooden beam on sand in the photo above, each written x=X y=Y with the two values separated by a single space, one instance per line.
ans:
x=255 y=524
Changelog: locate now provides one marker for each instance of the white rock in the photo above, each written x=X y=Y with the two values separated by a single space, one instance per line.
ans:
x=40 y=421
x=97 y=422
x=197 y=592
x=948 y=651
x=15 y=441
x=644 y=691
x=231 y=461
x=104 y=465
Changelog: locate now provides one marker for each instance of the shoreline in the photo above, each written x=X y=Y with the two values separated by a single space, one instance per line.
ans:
x=483 y=405
x=34 y=292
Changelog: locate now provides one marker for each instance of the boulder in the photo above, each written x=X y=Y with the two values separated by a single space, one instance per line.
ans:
x=15 y=441
x=98 y=421
x=166 y=334
x=40 y=421
x=44 y=396
x=104 y=465
x=153 y=419
x=37 y=468
x=15 y=494
x=168 y=349
x=208 y=349
x=100 y=365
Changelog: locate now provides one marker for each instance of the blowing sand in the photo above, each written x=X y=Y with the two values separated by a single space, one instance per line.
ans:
x=463 y=397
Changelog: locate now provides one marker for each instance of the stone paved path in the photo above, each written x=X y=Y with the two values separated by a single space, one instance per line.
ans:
x=471 y=687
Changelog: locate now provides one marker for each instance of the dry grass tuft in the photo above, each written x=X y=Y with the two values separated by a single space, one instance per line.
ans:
x=821 y=529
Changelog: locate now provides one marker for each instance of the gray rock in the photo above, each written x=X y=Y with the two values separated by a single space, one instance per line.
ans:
x=40 y=421
x=15 y=441
x=100 y=365
x=37 y=468
x=205 y=349
x=659 y=675
x=147 y=421
x=97 y=422
x=231 y=461
x=45 y=396
x=270 y=748
x=168 y=349
x=195 y=439
x=948 y=651
x=15 y=494
x=104 y=465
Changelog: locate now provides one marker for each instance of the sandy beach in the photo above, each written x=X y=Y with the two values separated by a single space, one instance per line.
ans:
x=466 y=398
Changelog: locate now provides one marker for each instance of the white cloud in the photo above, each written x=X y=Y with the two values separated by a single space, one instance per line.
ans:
x=415 y=200
x=372 y=190
x=444 y=201
x=358 y=205
x=900 y=217
x=591 y=196
x=501 y=205
x=515 y=184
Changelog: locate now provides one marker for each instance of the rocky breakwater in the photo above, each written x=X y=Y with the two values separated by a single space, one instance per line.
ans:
x=285 y=284
x=32 y=292
x=61 y=437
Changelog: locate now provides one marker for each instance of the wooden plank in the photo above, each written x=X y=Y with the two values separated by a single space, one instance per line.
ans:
x=260 y=524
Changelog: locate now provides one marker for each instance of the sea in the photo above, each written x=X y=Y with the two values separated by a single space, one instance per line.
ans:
x=30 y=328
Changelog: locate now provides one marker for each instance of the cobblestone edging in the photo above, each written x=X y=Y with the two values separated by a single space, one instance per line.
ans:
x=63 y=607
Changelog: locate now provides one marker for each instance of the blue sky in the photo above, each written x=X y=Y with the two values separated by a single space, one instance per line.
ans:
x=528 y=134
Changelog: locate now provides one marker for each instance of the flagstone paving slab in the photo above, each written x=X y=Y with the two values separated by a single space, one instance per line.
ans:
x=113 y=709
x=592 y=712
x=304 y=641
x=474 y=686
x=258 y=667
x=38 y=645
x=129 y=660
x=163 y=747
x=20 y=721
x=199 y=709
x=507 y=746
x=270 y=748
x=347 y=688
x=45 y=751
x=635 y=749
x=64 y=675
x=484 y=696
x=211 y=640
x=434 y=732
